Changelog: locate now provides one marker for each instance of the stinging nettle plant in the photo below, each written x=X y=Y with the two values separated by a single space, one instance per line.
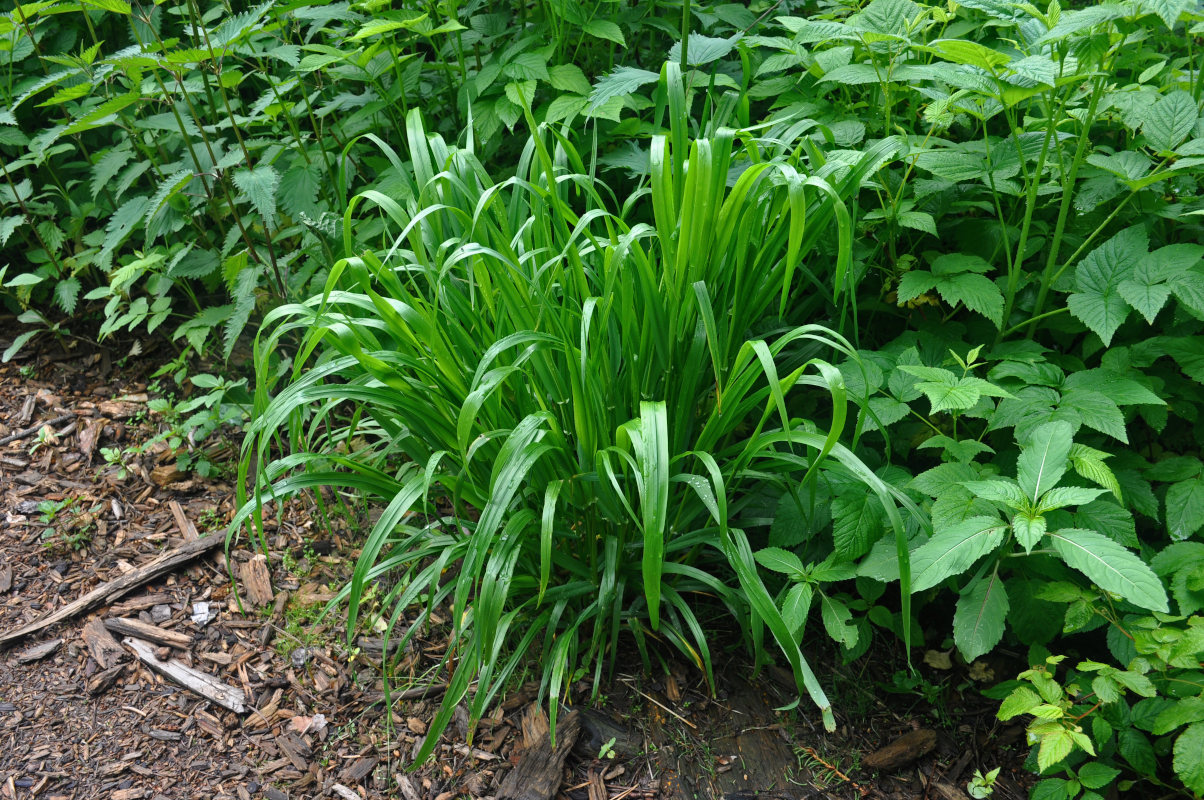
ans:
x=562 y=409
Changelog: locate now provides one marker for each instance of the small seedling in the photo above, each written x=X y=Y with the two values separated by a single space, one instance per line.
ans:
x=607 y=750
x=982 y=786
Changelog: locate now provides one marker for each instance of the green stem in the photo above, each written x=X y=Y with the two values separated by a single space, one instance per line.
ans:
x=1048 y=277
x=685 y=32
x=1030 y=206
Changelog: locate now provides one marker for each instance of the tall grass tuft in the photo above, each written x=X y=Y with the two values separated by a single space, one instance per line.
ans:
x=563 y=408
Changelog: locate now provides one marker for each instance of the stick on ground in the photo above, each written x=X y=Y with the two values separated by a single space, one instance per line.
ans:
x=115 y=588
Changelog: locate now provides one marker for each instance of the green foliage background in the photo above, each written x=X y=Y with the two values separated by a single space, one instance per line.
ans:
x=653 y=319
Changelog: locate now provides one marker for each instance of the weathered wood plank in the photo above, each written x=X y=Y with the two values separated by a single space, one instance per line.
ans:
x=194 y=680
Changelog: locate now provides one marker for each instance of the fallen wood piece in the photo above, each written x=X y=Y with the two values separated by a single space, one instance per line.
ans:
x=107 y=592
x=101 y=681
x=104 y=648
x=32 y=429
x=540 y=769
x=902 y=751
x=257 y=579
x=343 y=792
x=194 y=680
x=126 y=607
x=151 y=633
x=39 y=651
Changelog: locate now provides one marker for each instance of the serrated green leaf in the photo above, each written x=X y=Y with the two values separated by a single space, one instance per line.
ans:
x=1089 y=463
x=976 y=292
x=703 y=49
x=779 y=560
x=1189 y=758
x=1043 y=459
x=1110 y=566
x=953 y=550
x=620 y=82
x=108 y=166
x=1147 y=298
x=1062 y=496
x=1135 y=748
x=8 y=225
x=1183 y=712
x=1168 y=11
x=1097 y=411
x=978 y=621
x=167 y=189
x=299 y=187
x=1109 y=519
x=66 y=293
x=1029 y=528
x=565 y=106
x=838 y=621
x=605 y=29
x=1022 y=700
x=568 y=78
x=913 y=284
x=1000 y=491
x=1185 y=508
x=1097 y=303
x=857 y=523
x=527 y=66
x=259 y=187
x=1095 y=775
x=1054 y=747
x=1170 y=121
x=961 y=51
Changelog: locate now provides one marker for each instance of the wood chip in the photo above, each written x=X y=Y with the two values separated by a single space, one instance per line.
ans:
x=903 y=750
x=39 y=651
x=126 y=626
x=102 y=681
x=540 y=770
x=257 y=579
x=101 y=644
x=194 y=680
x=345 y=793
x=357 y=770
x=6 y=578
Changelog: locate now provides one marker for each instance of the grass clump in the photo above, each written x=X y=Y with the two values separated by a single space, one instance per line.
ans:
x=563 y=401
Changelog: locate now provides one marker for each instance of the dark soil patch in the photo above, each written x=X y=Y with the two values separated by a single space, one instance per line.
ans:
x=72 y=727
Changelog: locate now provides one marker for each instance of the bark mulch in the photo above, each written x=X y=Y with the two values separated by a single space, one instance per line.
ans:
x=183 y=687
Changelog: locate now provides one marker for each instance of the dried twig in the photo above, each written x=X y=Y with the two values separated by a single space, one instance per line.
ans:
x=32 y=429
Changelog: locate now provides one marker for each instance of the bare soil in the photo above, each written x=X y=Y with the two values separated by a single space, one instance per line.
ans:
x=78 y=721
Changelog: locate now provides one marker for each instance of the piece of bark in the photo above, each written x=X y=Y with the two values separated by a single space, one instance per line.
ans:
x=269 y=628
x=126 y=607
x=126 y=626
x=357 y=770
x=39 y=651
x=540 y=769
x=101 y=681
x=295 y=749
x=194 y=680
x=6 y=578
x=257 y=579
x=343 y=792
x=946 y=790
x=110 y=591
x=902 y=751
x=101 y=644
